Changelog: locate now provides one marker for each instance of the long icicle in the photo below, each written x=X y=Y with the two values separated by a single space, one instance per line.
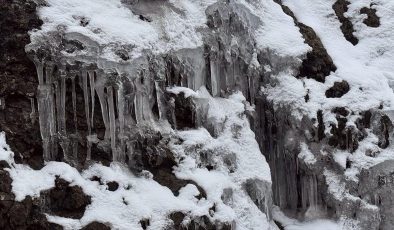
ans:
x=92 y=95
x=86 y=99
x=121 y=112
x=74 y=101
x=111 y=110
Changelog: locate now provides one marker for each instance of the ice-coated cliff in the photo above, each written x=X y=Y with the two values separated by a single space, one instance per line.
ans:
x=198 y=114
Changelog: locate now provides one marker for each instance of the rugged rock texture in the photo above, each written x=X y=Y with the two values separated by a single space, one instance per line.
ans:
x=18 y=84
x=99 y=111
x=27 y=214
x=372 y=19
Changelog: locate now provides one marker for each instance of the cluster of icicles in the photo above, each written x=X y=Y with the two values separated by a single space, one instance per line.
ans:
x=51 y=99
x=124 y=101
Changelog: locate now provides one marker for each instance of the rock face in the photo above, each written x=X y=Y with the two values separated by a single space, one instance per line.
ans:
x=75 y=99
x=18 y=113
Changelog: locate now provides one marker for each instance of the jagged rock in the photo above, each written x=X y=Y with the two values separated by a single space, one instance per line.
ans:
x=376 y=187
x=5 y=182
x=382 y=127
x=144 y=223
x=112 y=186
x=372 y=19
x=96 y=226
x=338 y=89
x=66 y=201
x=4 y=164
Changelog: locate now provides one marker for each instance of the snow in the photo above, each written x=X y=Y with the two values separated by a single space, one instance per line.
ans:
x=5 y=152
x=277 y=31
x=186 y=91
x=113 y=24
x=306 y=155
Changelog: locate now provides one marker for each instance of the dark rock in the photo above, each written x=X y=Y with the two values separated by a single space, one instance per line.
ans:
x=341 y=111
x=18 y=82
x=184 y=111
x=143 y=18
x=66 y=201
x=112 y=186
x=145 y=223
x=338 y=89
x=4 y=164
x=96 y=226
x=123 y=54
x=320 y=126
x=372 y=20
x=5 y=182
x=382 y=127
x=341 y=7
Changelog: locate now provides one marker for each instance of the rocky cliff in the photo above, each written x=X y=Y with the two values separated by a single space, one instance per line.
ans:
x=196 y=114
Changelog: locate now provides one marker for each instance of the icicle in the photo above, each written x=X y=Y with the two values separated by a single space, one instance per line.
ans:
x=62 y=107
x=40 y=71
x=138 y=101
x=172 y=109
x=120 y=98
x=251 y=89
x=214 y=79
x=33 y=113
x=86 y=94
x=74 y=101
x=112 y=125
x=158 y=99
x=99 y=86
x=45 y=110
x=146 y=102
x=92 y=95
